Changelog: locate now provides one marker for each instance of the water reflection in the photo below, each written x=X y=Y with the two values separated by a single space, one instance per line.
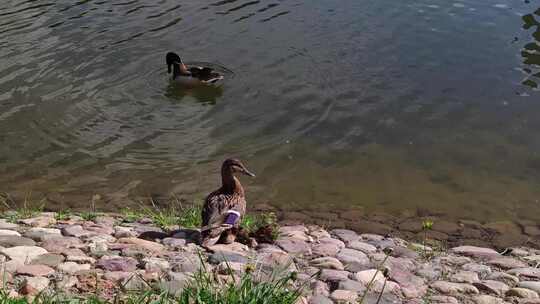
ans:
x=204 y=94
x=531 y=51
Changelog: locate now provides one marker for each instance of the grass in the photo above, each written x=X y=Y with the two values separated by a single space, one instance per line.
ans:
x=204 y=288
x=27 y=209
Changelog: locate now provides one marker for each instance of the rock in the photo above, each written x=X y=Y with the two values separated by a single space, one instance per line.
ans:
x=527 y=272
x=23 y=254
x=453 y=260
x=403 y=252
x=485 y=299
x=11 y=266
x=190 y=263
x=116 y=276
x=35 y=270
x=76 y=231
x=66 y=283
x=174 y=243
x=318 y=233
x=344 y=296
x=13 y=241
x=508 y=279
x=370 y=227
x=523 y=293
x=367 y=275
x=327 y=262
x=327 y=247
x=77 y=255
x=443 y=300
x=272 y=261
x=476 y=252
x=352 y=285
x=220 y=256
x=72 y=267
x=429 y=271
x=412 y=286
x=156 y=265
x=58 y=245
x=40 y=234
x=4 y=232
x=482 y=270
x=353 y=260
x=124 y=232
x=507 y=263
x=39 y=221
x=361 y=246
x=229 y=268
x=148 y=245
x=330 y=275
x=494 y=287
x=532 y=285
x=34 y=285
x=320 y=299
x=465 y=277
x=347 y=236
x=320 y=288
x=446 y=227
x=7 y=225
x=134 y=283
x=117 y=264
x=449 y=288
x=531 y=230
x=153 y=235
x=294 y=246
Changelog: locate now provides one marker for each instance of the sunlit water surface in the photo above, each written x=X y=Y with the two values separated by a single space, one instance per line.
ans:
x=388 y=105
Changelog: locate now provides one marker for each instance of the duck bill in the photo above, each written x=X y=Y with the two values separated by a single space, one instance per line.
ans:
x=246 y=172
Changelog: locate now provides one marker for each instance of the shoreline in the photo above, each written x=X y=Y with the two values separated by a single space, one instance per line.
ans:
x=105 y=252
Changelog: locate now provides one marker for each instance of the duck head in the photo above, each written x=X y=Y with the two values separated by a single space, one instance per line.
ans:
x=173 y=63
x=232 y=165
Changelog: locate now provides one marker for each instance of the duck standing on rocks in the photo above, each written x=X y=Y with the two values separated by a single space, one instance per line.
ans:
x=224 y=208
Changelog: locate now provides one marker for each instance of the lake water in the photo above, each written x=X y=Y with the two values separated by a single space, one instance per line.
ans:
x=388 y=105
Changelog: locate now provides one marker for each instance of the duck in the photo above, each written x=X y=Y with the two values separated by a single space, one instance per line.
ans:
x=190 y=75
x=224 y=208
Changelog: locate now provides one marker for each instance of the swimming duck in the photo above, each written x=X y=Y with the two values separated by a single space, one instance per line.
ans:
x=224 y=208
x=193 y=75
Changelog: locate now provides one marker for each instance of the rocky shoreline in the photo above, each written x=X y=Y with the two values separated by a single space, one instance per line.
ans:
x=108 y=255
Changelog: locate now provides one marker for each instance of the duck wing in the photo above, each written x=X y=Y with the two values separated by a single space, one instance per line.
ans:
x=216 y=206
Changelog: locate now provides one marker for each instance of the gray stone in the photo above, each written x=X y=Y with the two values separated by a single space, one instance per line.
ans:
x=39 y=221
x=67 y=282
x=23 y=254
x=173 y=242
x=320 y=299
x=41 y=234
x=117 y=276
x=35 y=270
x=532 y=285
x=5 y=232
x=361 y=246
x=327 y=247
x=72 y=267
x=173 y=287
x=429 y=271
x=465 y=277
x=124 y=232
x=347 y=296
x=494 y=287
x=219 y=257
x=327 y=262
x=353 y=260
x=4 y=224
x=13 y=241
x=449 y=288
x=453 y=260
x=156 y=264
x=522 y=293
x=117 y=264
x=294 y=246
x=528 y=272
x=482 y=270
x=443 y=300
x=191 y=263
x=412 y=286
x=352 y=285
x=320 y=288
x=76 y=231
x=477 y=252
x=77 y=255
x=34 y=285
x=48 y=259
x=330 y=275
x=507 y=263
x=345 y=235
x=485 y=299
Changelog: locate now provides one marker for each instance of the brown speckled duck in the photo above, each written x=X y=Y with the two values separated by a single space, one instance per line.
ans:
x=224 y=208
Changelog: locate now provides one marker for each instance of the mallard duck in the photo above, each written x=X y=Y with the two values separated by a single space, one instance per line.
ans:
x=192 y=75
x=224 y=208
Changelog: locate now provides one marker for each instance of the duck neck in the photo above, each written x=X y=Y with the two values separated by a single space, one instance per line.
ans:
x=230 y=184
